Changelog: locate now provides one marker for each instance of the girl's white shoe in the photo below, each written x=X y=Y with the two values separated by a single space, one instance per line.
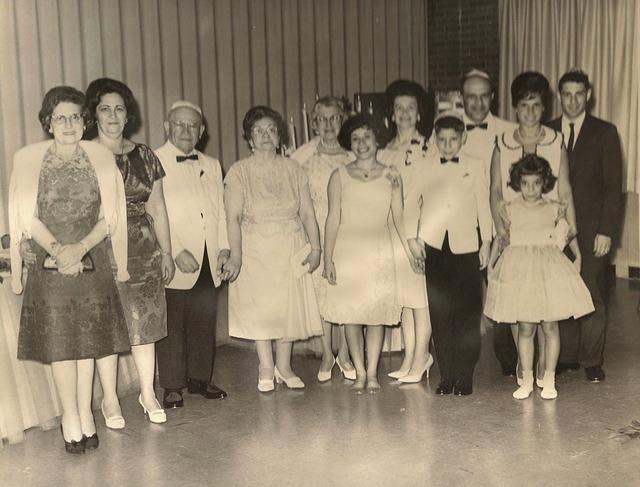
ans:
x=525 y=390
x=549 y=385
x=325 y=375
x=293 y=382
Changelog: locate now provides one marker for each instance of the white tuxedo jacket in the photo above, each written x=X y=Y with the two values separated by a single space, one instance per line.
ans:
x=193 y=193
x=455 y=199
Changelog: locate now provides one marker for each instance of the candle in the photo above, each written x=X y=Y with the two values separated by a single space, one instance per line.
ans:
x=292 y=135
x=370 y=109
x=305 y=123
x=358 y=103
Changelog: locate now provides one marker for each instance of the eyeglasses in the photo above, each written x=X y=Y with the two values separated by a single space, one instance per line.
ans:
x=270 y=130
x=74 y=119
x=321 y=119
x=190 y=126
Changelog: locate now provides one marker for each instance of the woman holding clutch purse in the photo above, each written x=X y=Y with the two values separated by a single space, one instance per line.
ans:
x=275 y=246
x=66 y=196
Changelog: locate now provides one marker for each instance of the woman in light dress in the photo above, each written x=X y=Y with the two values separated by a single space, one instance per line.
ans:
x=319 y=158
x=275 y=246
x=358 y=257
x=529 y=92
x=411 y=120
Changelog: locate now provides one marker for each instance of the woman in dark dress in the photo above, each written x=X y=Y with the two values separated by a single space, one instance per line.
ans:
x=65 y=198
x=114 y=111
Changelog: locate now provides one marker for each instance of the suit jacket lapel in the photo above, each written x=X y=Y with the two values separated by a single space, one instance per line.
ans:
x=585 y=133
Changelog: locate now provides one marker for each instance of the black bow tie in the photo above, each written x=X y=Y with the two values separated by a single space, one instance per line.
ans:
x=483 y=126
x=192 y=157
x=453 y=159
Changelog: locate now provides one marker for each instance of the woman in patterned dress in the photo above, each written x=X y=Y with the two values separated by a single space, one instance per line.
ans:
x=319 y=158
x=275 y=246
x=114 y=111
x=66 y=197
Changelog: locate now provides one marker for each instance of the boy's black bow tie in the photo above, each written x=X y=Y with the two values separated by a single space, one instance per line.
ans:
x=483 y=126
x=453 y=159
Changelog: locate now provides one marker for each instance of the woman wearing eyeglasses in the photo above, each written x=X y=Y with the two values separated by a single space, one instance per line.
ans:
x=319 y=158
x=66 y=197
x=275 y=246
x=114 y=113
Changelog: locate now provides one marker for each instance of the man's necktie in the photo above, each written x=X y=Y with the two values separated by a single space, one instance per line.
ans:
x=572 y=136
x=483 y=126
x=192 y=157
x=453 y=159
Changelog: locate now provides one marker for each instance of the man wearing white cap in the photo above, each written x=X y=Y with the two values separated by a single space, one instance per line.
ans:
x=482 y=129
x=193 y=193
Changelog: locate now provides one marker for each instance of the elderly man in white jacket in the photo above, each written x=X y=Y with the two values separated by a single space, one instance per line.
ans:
x=193 y=192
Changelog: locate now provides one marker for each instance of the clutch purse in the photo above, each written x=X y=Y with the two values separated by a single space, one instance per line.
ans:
x=298 y=257
x=50 y=263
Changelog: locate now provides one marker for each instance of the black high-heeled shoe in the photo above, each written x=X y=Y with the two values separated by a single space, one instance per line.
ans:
x=73 y=446
x=91 y=442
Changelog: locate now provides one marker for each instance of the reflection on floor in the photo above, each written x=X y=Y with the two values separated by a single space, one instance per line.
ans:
x=404 y=436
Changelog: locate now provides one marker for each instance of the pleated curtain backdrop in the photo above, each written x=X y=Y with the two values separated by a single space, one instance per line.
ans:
x=602 y=37
x=226 y=55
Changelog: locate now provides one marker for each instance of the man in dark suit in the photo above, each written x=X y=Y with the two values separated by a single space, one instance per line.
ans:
x=595 y=165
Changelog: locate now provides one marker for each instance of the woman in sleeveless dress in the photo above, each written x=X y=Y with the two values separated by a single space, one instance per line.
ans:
x=114 y=112
x=411 y=122
x=358 y=258
x=529 y=92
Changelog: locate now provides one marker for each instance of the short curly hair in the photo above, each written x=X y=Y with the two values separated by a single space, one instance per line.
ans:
x=362 y=120
x=531 y=164
x=258 y=113
x=424 y=99
x=57 y=95
x=105 y=86
x=527 y=85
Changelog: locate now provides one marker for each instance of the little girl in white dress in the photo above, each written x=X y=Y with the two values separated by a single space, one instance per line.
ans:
x=533 y=283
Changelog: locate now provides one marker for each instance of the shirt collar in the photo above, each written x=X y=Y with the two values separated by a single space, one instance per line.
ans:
x=577 y=123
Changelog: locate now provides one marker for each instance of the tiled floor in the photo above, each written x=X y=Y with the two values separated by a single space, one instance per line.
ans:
x=404 y=436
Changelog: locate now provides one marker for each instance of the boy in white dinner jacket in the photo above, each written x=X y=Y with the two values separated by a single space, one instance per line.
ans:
x=454 y=199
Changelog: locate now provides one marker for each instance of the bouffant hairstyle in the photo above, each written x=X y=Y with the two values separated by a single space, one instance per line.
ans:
x=532 y=164
x=449 y=122
x=258 y=113
x=105 y=86
x=361 y=120
x=55 y=96
x=576 y=76
x=329 y=101
x=527 y=85
x=425 y=101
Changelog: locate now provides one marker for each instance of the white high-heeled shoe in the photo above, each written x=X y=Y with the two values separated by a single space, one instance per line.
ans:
x=114 y=422
x=325 y=375
x=294 y=382
x=157 y=416
x=265 y=385
x=413 y=378
x=347 y=374
x=397 y=374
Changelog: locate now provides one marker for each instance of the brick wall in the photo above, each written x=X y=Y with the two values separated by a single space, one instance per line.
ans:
x=462 y=34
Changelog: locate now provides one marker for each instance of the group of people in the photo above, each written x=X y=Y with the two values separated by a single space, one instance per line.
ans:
x=125 y=248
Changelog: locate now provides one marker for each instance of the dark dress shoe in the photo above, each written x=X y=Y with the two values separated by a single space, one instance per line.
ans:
x=73 y=446
x=91 y=442
x=445 y=387
x=172 y=398
x=463 y=387
x=205 y=389
x=509 y=372
x=594 y=374
x=567 y=366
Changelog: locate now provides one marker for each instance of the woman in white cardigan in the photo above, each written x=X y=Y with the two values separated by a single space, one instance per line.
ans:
x=65 y=198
